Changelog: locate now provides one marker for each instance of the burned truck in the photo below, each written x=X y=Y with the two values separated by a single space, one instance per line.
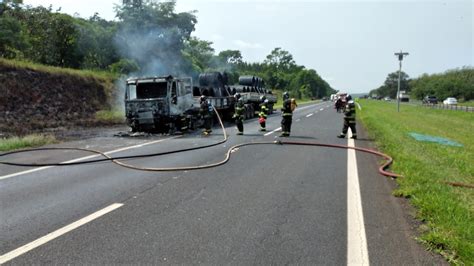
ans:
x=168 y=104
x=160 y=104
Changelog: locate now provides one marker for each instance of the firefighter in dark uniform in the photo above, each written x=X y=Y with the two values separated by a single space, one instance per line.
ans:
x=287 y=115
x=205 y=111
x=263 y=112
x=239 y=109
x=349 y=118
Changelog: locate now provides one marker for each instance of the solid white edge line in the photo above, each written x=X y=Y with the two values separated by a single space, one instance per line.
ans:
x=82 y=158
x=357 y=253
x=43 y=240
x=309 y=115
x=269 y=133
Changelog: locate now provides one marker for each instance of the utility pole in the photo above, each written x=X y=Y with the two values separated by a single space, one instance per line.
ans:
x=400 y=58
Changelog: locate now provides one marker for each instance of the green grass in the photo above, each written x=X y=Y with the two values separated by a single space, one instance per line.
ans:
x=15 y=143
x=59 y=70
x=114 y=116
x=469 y=103
x=447 y=212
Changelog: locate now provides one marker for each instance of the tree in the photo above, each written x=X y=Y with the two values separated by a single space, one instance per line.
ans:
x=199 y=52
x=457 y=83
x=154 y=35
x=230 y=57
x=280 y=59
x=53 y=36
x=13 y=39
x=390 y=86
x=96 y=42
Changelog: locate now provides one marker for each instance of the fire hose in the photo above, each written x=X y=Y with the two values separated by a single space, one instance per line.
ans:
x=117 y=160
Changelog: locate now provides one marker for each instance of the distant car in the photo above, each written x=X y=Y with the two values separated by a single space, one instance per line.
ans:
x=450 y=100
x=387 y=99
x=430 y=100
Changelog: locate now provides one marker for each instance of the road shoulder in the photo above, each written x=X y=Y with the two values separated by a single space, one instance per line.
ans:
x=390 y=221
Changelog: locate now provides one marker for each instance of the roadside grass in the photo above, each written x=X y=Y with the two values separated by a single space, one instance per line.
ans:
x=469 y=103
x=447 y=211
x=29 y=141
x=114 y=116
x=59 y=70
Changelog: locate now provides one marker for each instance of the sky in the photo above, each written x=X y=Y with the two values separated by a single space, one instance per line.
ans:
x=350 y=43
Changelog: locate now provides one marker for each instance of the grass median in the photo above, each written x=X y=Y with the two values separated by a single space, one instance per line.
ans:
x=447 y=211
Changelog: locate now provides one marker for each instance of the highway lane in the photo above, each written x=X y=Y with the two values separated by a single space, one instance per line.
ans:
x=267 y=205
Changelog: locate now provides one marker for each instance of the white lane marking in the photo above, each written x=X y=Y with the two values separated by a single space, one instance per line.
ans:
x=321 y=109
x=305 y=107
x=357 y=253
x=82 y=159
x=310 y=115
x=297 y=120
x=358 y=105
x=43 y=240
x=269 y=133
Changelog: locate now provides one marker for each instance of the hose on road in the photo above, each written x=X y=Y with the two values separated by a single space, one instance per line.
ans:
x=117 y=159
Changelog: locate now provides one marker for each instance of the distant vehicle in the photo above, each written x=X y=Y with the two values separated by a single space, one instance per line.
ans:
x=404 y=97
x=430 y=100
x=387 y=99
x=450 y=100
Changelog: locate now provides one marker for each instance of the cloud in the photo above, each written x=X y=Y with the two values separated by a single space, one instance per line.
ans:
x=243 y=44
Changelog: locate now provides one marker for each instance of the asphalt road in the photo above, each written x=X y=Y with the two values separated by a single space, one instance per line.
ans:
x=270 y=204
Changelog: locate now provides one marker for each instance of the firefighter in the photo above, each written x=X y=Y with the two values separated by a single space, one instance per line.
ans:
x=287 y=115
x=239 y=109
x=349 y=118
x=338 y=105
x=206 y=114
x=263 y=112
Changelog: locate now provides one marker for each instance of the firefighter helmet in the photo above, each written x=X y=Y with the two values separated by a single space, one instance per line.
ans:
x=286 y=95
x=203 y=98
x=263 y=98
x=237 y=96
x=348 y=97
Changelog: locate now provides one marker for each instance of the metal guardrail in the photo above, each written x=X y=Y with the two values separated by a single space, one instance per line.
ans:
x=450 y=107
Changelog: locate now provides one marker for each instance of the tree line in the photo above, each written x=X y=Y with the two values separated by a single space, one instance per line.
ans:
x=148 y=38
x=458 y=83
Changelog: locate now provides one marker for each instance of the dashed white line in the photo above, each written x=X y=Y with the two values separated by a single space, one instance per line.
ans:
x=321 y=109
x=310 y=115
x=269 y=133
x=357 y=253
x=81 y=159
x=45 y=239
x=297 y=120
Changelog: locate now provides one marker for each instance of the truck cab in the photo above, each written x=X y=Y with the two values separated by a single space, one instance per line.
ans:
x=157 y=103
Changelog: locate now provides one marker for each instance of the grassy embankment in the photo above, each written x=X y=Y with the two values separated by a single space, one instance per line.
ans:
x=102 y=117
x=447 y=211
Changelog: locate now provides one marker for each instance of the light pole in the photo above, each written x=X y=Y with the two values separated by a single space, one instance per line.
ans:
x=400 y=58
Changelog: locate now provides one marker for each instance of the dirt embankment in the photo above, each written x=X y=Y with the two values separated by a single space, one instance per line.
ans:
x=36 y=100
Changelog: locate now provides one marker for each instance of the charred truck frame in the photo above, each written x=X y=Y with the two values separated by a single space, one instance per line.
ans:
x=167 y=104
